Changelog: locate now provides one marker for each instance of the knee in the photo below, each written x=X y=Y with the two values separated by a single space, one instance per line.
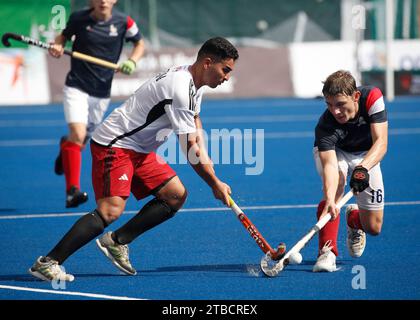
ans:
x=111 y=215
x=110 y=212
x=373 y=225
x=177 y=201
x=77 y=136
x=374 y=230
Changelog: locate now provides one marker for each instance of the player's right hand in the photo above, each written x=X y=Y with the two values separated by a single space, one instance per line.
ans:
x=56 y=50
x=222 y=192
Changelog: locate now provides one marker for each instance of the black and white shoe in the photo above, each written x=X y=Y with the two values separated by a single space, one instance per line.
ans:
x=75 y=197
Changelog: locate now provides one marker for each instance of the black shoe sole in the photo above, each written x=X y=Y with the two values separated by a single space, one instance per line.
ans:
x=77 y=200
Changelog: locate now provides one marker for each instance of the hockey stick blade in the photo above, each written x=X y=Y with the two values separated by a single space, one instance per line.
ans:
x=273 y=269
x=5 y=38
x=34 y=42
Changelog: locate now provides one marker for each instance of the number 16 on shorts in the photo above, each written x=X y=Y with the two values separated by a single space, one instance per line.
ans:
x=376 y=196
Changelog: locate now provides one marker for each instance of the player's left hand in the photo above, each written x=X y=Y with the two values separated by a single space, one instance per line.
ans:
x=128 y=66
x=359 y=179
x=222 y=191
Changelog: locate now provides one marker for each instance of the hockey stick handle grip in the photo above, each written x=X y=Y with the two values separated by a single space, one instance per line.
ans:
x=100 y=62
x=77 y=55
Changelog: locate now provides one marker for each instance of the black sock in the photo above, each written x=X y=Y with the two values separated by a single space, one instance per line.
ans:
x=83 y=231
x=153 y=213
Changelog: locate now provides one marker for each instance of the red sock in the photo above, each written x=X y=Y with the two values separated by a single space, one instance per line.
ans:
x=353 y=220
x=72 y=162
x=330 y=230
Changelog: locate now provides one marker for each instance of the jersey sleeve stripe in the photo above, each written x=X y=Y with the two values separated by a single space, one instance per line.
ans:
x=191 y=97
x=132 y=28
x=130 y=22
x=373 y=96
x=378 y=106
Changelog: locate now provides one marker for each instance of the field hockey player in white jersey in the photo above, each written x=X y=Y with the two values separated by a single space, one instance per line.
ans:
x=124 y=159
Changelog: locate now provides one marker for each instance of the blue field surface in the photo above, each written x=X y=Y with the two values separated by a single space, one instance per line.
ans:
x=204 y=253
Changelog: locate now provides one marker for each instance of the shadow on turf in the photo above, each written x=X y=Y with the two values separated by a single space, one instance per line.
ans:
x=204 y=268
x=235 y=268
x=7 y=210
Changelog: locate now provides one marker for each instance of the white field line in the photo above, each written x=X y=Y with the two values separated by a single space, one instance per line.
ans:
x=209 y=209
x=69 y=293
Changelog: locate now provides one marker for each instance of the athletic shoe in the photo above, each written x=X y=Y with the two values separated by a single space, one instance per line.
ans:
x=356 y=238
x=326 y=259
x=117 y=253
x=48 y=270
x=75 y=197
x=58 y=165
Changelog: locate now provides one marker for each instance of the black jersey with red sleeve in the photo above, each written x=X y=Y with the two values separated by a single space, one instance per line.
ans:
x=355 y=135
x=101 y=39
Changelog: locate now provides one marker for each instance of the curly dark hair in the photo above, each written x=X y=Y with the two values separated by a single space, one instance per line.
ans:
x=219 y=48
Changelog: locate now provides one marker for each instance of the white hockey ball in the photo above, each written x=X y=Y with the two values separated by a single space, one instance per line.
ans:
x=295 y=258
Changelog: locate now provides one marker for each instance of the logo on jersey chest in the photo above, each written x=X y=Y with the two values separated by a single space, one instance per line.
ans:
x=113 y=31
x=361 y=121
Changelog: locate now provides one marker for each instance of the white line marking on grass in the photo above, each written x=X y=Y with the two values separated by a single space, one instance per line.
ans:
x=209 y=209
x=69 y=293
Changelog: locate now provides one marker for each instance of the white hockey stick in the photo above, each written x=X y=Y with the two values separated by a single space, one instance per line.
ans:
x=274 y=269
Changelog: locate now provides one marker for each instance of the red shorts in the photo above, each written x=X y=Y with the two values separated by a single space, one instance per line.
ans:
x=117 y=171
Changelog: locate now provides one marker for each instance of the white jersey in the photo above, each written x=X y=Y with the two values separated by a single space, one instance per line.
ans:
x=164 y=104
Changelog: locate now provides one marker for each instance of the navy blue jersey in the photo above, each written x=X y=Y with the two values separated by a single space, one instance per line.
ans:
x=100 y=39
x=355 y=135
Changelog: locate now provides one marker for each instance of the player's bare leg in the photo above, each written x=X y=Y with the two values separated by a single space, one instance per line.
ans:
x=372 y=221
x=360 y=222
